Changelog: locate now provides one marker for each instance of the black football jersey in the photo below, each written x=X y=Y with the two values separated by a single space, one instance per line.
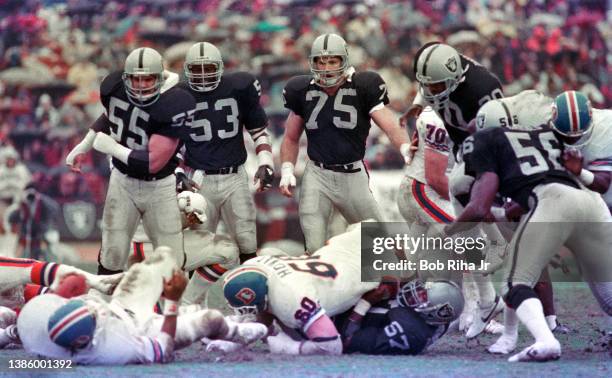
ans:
x=397 y=331
x=521 y=159
x=336 y=126
x=478 y=87
x=215 y=137
x=132 y=126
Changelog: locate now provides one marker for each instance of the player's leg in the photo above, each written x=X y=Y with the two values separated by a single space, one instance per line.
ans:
x=315 y=206
x=162 y=217
x=210 y=256
x=238 y=212
x=142 y=285
x=119 y=221
x=353 y=197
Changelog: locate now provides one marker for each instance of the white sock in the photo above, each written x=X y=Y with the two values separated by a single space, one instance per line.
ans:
x=552 y=321
x=486 y=291
x=511 y=322
x=531 y=313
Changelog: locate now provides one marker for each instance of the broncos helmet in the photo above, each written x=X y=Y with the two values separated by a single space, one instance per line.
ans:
x=246 y=290
x=72 y=326
x=199 y=56
x=439 y=301
x=327 y=45
x=141 y=63
x=495 y=113
x=572 y=117
x=437 y=63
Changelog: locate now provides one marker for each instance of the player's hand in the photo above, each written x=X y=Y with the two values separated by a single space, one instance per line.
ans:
x=104 y=143
x=263 y=178
x=514 y=211
x=387 y=289
x=175 y=286
x=572 y=160
x=74 y=160
x=408 y=150
x=288 y=180
x=412 y=113
x=184 y=183
x=283 y=344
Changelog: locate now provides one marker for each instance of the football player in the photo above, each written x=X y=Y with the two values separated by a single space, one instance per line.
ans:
x=454 y=85
x=406 y=324
x=335 y=106
x=301 y=293
x=126 y=330
x=140 y=130
x=226 y=103
x=526 y=166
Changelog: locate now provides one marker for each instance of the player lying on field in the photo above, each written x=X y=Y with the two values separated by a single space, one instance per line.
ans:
x=125 y=330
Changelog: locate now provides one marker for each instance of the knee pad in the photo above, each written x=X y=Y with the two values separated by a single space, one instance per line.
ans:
x=517 y=294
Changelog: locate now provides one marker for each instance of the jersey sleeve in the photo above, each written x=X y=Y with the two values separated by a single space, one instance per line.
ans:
x=373 y=90
x=171 y=112
x=436 y=138
x=480 y=151
x=296 y=306
x=109 y=85
x=102 y=124
x=293 y=96
x=254 y=115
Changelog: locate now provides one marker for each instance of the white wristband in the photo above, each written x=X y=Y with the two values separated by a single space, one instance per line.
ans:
x=499 y=213
x=405 y=149
x=170 y=308
x=362 y=307
x=265 y=158
x=587 y=177
x=287 y=169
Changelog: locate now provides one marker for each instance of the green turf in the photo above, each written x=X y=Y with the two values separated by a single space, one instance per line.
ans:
x=583 y=355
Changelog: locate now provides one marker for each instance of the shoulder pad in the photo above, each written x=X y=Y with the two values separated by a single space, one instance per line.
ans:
x=174 y=101
x=366 y=77
x=183 y=85
x=111 y=82
x=240 y=80
x=298 y=83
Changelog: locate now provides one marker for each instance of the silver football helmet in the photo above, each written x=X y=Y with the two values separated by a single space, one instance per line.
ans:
x=495 y=113
x=140 y=64
x=439 y=302
x=328 y=45
x=199 y=56
x=438 y=64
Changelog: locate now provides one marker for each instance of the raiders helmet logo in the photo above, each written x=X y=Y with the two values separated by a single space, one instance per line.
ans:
x=480 y=121
x=451 y=64
x=246 y=296
x=445 y=312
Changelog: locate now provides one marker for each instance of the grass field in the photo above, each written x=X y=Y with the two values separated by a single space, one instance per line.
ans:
x=584 y=355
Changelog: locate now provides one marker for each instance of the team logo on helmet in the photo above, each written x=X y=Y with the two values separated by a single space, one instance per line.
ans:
x=446 y=311
x=246 y=296
x=480 y=121
x=451 y=64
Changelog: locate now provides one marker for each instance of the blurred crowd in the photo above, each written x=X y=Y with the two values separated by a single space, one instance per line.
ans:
x=53 y=55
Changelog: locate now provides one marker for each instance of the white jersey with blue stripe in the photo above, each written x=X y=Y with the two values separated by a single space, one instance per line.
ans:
x=597 y=153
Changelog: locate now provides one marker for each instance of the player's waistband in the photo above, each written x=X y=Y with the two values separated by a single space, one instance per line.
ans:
x=221 y=171
x=158 y=176
x=342 y=168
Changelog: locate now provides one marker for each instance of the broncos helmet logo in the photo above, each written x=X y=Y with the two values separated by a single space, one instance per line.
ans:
x=246 y=296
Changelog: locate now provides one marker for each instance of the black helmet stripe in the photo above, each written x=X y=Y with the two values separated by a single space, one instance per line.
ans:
x=325 y=41
x=427 y=59
x=201 y=49
x=140 y=58
x=507 y=114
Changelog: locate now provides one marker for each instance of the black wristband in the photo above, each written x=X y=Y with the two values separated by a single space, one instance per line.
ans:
x=139 y=161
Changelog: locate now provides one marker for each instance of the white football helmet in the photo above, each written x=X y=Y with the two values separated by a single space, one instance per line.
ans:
x=495 y=113
x=143 y=61
x=438 y=63
x=192 y=203
x=327 y=45
x=200 y=55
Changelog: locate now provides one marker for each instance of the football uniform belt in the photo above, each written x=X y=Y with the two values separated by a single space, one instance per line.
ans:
x=343 y=168
x=167 y=171
x=222 y=171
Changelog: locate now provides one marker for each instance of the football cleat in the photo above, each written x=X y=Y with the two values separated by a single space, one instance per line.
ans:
x=482 y=317
x=539 y=351
x=504 y=345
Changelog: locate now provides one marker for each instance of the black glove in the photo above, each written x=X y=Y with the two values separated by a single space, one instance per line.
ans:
x=184 y=183
x=265 y=175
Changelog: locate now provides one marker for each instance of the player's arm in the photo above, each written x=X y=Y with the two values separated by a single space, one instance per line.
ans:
x=73 y=160
x=596 y=176
x=150 y=161
x=479 y=208
x=323 y=338
x=294 y=127
x=385 y=119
